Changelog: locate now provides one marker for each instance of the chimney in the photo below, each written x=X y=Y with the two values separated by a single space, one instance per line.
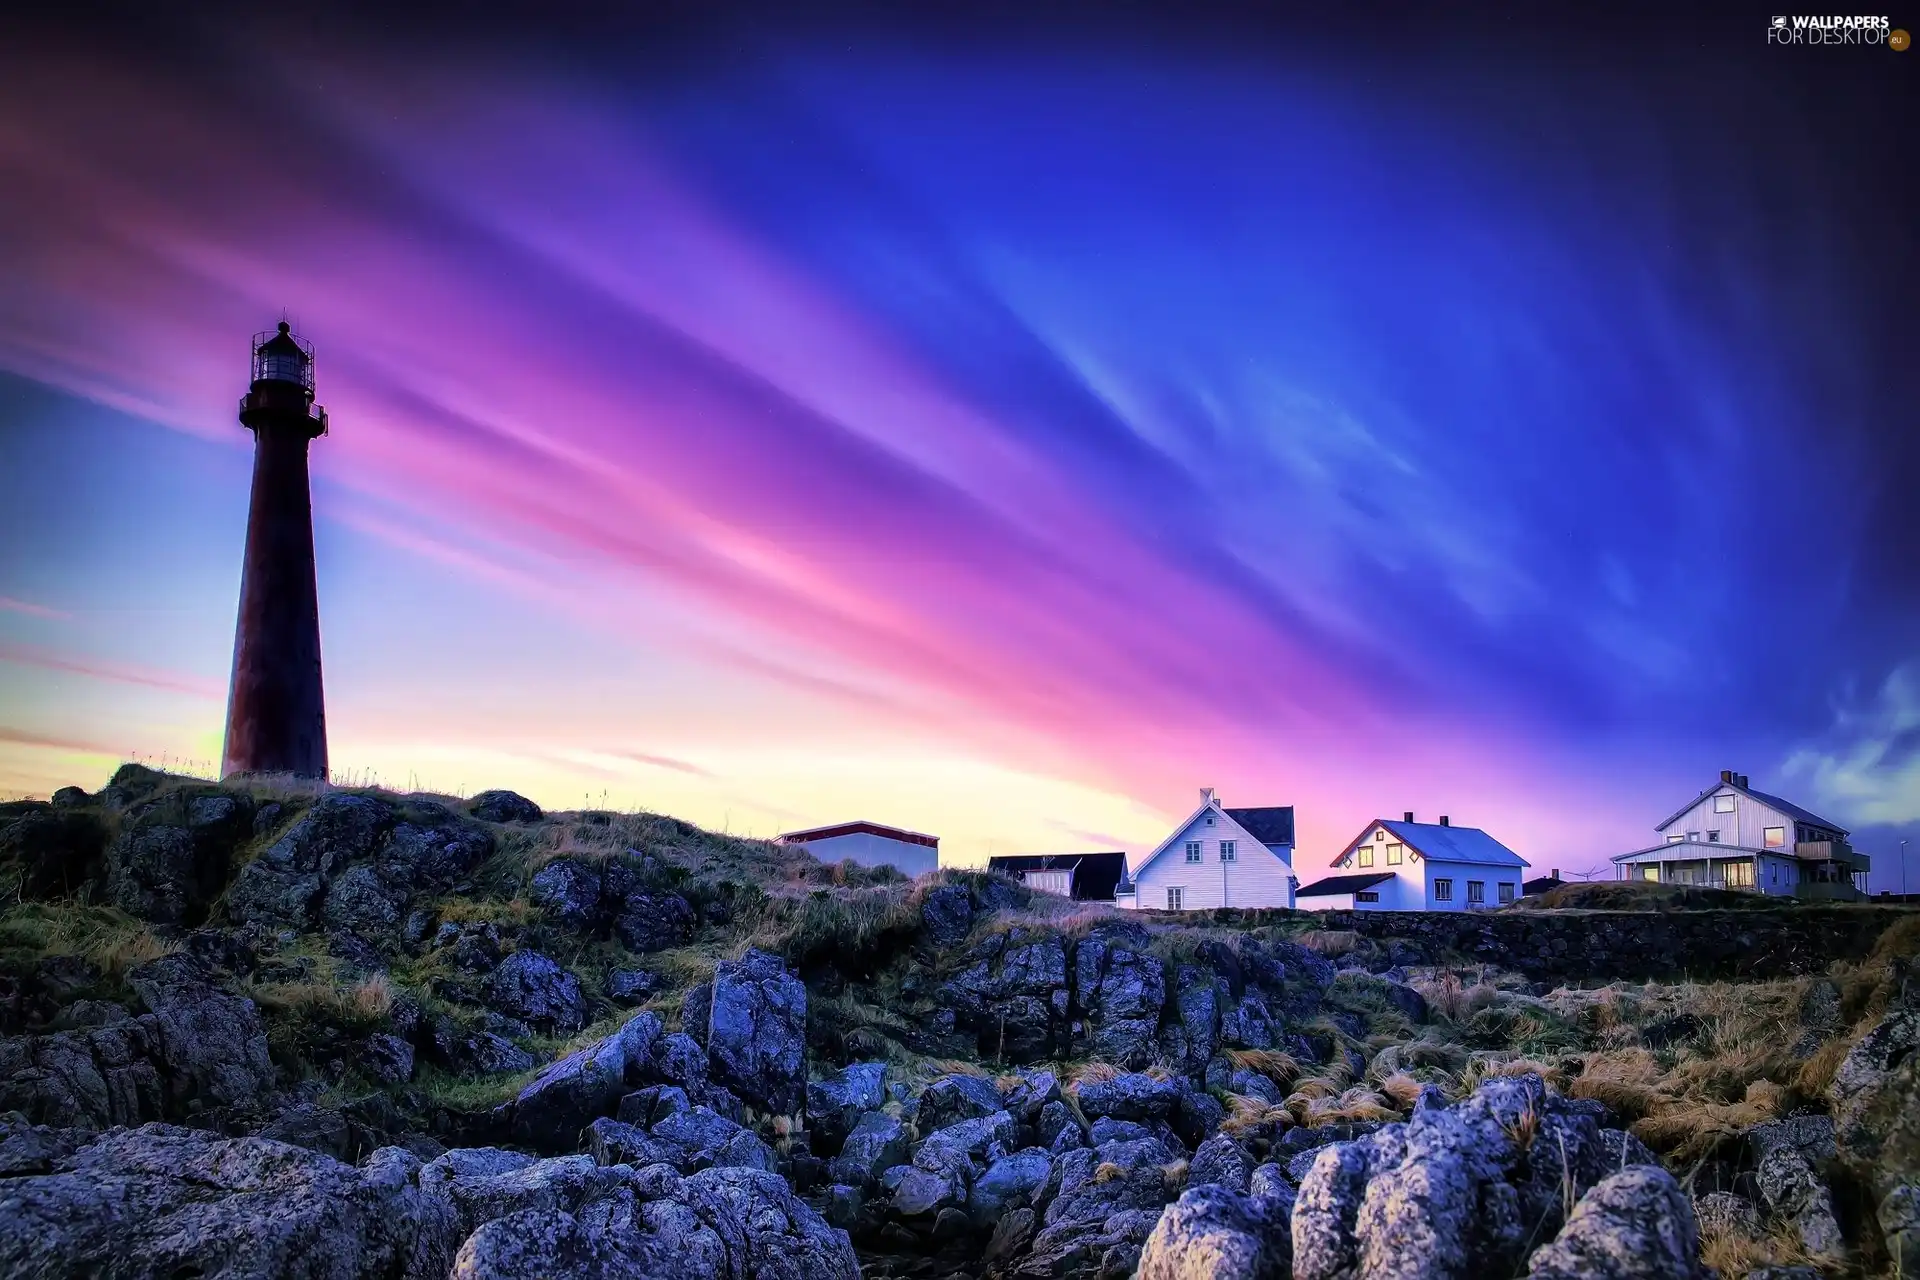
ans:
x=1443 y=819
x=1409 y=816
x=1554 y=874
x=1726 y=775
x=1743 y=779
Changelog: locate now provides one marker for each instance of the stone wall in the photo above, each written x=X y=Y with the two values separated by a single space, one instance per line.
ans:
x=1645 y=945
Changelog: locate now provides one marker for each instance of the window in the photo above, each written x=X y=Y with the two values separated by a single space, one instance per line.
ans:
x=1739 y=875
x=1675 y=839
x=1367 y=895
x=1193 y=851
x=1176 y=898
x=1713 y=837
x=1366 y=855
x=1209 y=821
x=1379 y=835
x=1443 y=890
x=1776 y=837
x=1693 y=835
x=1650 y=871
x=1476 y=892
x=1506 y=893
x=1394 y=854
x=1723 y=803
x=1228 y=852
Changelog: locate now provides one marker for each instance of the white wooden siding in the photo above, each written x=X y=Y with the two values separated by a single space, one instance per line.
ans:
x=1745 y=826
x=1257 y=877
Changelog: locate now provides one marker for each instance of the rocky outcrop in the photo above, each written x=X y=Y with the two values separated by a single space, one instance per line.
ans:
x=550 y=1112
x=533 y=988
x=1214 y=1233
x=213 y=1045
x=174 y=854
x=357 y=863
x=1876 y=1110
x=755 y=1033
x=53 y=852
x=1634 y=1225
x=836 y=1104
x=161 y=1202
x=1107 y=1201
x=1453 y=1192
x=94 y=1078
x=1012 y=996
x=504 y=806
x=1793 y=1191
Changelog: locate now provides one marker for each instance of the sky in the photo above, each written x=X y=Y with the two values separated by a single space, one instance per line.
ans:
x=993 y=426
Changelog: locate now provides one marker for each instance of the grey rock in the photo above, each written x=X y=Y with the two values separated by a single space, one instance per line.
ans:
x=1635 y=1224
x=1875 y=1097
x=1791 y=1188
x=1013 y=1181
x=679 y=1059
x=835 y=1105
x=1270 y=1182
x=1220 y=1162
x=93 y=1078
x=484 y=1183
x=213 y=1045
x=534 y=988
x=1106 y=1129
x=555 y=1245
x=878 y=1142
x=551 y=1111
x=1130 y=1096
x=963 y=1148
x=1054 y=1118
x=1215 y=1233
x=504 y=806
x=174 y=853
x=386 y=1059
x=648 y=1106
x=160 y=1201
x=1723 y=1211
x=1811 y=1135
x=919 y=1196
x=953 y=1098
x=946 y=915
x=57 y=853
x=569 y=890
x=1252 y=1084
x=706 y=1139
x=756 y=1032
x=631 y=986
x=654 y=922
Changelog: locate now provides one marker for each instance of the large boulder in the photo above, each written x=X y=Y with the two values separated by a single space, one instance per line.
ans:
x=504 y=806
x=93 y=1078
x=569 y=1095
x=1120 y=990
x=533 y=988
x=484 y=1183
x=1455 y=1191
x=835 y=1104
x=212 y=1045
x=1130 y=1096
x=1013 y=996
x=174 y=853
x=953 y=1098
x=1791 y=1188
x=653 y=922
x=1220 y=1162
x=1635 y=1225
x=1215 y=1233
x=1106 y=1203
x=160 y=1202
x=878 y=1142
x=756 y=1031
x=569 y=889
x=1876 y=1110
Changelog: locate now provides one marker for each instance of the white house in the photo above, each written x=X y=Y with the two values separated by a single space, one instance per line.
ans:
x=1217 y=857
x=1418 y=866
x=1733 y=837
x=871 y=845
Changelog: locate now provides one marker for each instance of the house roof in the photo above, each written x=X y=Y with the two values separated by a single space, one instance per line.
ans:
x=1438 y=843
x=1270 y=825
x=860 y=827
x=1696 y=850
x=1332 y=885
x=1208 y=804
x=1787 y=807
x=1541 y=884
x=1094 y=875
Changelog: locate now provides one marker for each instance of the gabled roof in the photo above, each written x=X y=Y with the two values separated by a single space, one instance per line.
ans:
x=1438 y=843
x=860 y=827
x=1787 y=807
x=1332 y=885
x=1271 y=825
x=1095 y=875
x=1208 y=805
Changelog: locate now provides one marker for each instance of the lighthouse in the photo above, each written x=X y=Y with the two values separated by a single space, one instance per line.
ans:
x=276 y=717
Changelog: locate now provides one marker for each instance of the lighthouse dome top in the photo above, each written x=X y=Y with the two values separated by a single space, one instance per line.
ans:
x=280 y=355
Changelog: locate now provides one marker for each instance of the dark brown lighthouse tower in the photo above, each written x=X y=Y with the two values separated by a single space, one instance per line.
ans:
x=276 y=720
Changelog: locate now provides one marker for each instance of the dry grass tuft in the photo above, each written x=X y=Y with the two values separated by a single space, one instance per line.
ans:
x=1453 y=999
x=1174 y=1175
x=1244 y=1114
x=1107 y=1171
x=1281 y=1068
x=1331 y=943
x=1402 y=1089
x=1087 y=1073
x=1352 y=1105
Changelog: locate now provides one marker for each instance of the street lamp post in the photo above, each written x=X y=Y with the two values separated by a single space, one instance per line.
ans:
x=1903 y=870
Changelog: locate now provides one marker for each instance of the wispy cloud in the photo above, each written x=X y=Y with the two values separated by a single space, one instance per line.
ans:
x=105 y=669
x=32 y=610
x=659 y=762
x=51 y=742
x=1866 y=768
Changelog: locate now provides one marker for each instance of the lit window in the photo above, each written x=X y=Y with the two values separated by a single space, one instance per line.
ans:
x=1476 y=891
x=1713 y=837
x=1193 y=851
x=1723 y=803
x=1739 y=875
x=1227 y=851
x=1650 y=871
x=1176 y=898
x=1394 y=853
x=1366 y=855
x=1443 y=890
x=1506 y=893
x=1366 y=895
x=1776 y=837
x=1693 y=835
x=1675 y=839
